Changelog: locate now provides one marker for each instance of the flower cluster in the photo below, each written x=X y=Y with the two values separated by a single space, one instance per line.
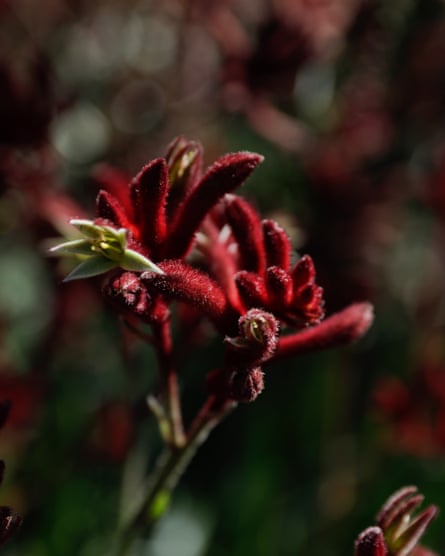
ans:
x=174 y=233
x=397 y=531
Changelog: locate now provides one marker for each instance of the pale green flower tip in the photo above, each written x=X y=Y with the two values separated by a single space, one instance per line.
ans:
x=81 y=247
x=86 y=227
x=132 y=260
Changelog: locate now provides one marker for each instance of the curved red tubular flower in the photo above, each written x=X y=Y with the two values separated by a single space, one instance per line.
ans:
x=245 y=224
x=264 y=279
x=339 y=329
x=181 y=282
x=149 y=191
x=247 y=260
x=276 y=245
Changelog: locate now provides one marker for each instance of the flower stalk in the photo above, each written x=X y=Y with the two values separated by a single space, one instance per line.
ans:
x=171 y=464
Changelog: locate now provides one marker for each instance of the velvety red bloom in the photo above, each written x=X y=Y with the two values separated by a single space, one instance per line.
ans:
x=209 y=249
x=264 y=278
x=341 y=328
x=181 y=282
x=147 y=215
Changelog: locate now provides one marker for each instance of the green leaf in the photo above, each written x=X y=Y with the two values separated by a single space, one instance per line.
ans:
x=93 y=266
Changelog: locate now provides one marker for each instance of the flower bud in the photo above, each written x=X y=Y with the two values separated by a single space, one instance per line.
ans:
x=303 y=273
x=251 y=289
x=371 y=543
x=276 y=244
x=403 y=530
x=246 y=386
x=279 y=287
x=256 y=342
x=128 y=294
x=184 y=160
x=10 y=521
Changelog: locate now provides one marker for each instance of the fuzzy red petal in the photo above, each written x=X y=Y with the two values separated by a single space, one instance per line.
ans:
x=277 y=245
x=246 y=228
x=279 y=287
x=183 y=283
x=303 y=273
x=115 y=182
x=109 y=208
x=149 y=191
x=225 y=175
x=339 y=329
x=251 y=289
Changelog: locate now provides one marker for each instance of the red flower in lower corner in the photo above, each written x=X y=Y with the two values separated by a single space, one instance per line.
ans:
x=397 y=531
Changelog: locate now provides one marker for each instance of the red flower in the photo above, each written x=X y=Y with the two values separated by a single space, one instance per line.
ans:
x=398 y=531
x=209 y=249
x=168 y=232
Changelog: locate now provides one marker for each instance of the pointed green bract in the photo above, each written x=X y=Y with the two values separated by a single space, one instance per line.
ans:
x=132 y=260
x=80 y=247
x=93 y=266
x=102 y=248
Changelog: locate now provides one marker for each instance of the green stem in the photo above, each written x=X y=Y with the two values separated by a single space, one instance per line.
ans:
x=169 y=382
x=170 y=466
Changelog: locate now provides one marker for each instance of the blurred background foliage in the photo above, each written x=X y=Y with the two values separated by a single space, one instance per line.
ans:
x=346 y=99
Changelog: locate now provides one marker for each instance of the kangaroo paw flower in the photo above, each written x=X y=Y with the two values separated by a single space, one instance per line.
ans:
x=397 y=531
x=341 y=328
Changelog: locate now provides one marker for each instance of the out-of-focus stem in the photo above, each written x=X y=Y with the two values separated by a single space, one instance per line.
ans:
x=170 y=466
x=162 y=342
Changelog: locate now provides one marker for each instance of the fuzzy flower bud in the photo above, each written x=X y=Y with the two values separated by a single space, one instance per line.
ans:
x=256 y=342
x=129 y=296
x=184 y=159
x=246 y=386
x=128 y=293
x=371 y=542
